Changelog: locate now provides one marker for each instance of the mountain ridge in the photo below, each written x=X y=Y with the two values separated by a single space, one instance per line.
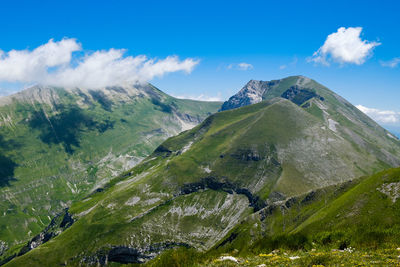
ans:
x=198 y=186
x=57 y=145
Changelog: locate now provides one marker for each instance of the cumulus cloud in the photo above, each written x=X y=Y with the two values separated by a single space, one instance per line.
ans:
x=344 y=46
x=55 y=63
x=381 y=116
x=240 y=66
x=391 y=63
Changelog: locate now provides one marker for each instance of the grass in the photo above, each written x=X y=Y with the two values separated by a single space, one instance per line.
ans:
x=313 y=257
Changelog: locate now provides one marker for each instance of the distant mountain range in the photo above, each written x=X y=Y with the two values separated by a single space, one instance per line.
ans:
x=57 y=145
x=282 y=157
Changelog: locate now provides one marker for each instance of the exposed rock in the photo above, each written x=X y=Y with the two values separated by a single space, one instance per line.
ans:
x=276 y=196
x=251 y=93
x=214 y=184
x=230 y=238
x=57 y=225
x=3 y=247
x=132 y=201
x=254 y=92
x=162 y=150
x=247 y=155
x=127 y=255
x=309 y=197
x=299 y=95
x=267 y=211
x=392 y=190
x=290 y=202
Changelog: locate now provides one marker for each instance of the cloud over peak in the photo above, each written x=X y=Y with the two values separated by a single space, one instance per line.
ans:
x=344 y=46
x=55 y=63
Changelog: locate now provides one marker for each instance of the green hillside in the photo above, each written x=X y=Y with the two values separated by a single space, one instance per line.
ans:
x=352 y=223
x=225 y=175
x=57 y=145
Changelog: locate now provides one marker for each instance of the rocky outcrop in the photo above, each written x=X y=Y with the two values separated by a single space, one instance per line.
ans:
x=251 y=93
x=246 y=155
x=226 y=186
x=299 y=95
x=126 y=255
x=57 y=225
x=162 y=150
x=129 y=255
x=254 y=92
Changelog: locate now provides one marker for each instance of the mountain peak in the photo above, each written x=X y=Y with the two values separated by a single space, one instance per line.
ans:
x=251 y=93
x=256 y=91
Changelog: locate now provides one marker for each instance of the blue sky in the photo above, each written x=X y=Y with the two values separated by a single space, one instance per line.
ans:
x=275 y=37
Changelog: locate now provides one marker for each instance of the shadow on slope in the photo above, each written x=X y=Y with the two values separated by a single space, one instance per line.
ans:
x=63 y=128
x=7 y=164
x=6 y=171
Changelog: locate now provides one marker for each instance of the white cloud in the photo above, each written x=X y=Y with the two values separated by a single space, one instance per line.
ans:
x=391 y=63
x=245 y=66
x=344 y=46
x=381 y=116
x=201 y=97
x=240 y=66
x=55 y=63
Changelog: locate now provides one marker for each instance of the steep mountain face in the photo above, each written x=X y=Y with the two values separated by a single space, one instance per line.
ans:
x=251 y=93
x=57 y=145
x=256 y=91
x=198 y=186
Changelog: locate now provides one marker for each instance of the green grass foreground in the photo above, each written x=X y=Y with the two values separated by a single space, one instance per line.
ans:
x=313 y=257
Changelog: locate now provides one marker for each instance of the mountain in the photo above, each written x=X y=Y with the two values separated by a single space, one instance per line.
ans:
x=199 y=187
x=256 y=91
x=57 y=145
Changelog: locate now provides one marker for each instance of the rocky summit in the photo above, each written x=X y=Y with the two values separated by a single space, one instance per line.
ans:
x=278 y=159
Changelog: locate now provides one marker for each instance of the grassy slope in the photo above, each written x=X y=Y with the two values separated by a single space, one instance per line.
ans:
x=229 y=146
x=47 y=172
x=364 y=214
x=355 y=214
x=330 y=218
x=314 y=229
